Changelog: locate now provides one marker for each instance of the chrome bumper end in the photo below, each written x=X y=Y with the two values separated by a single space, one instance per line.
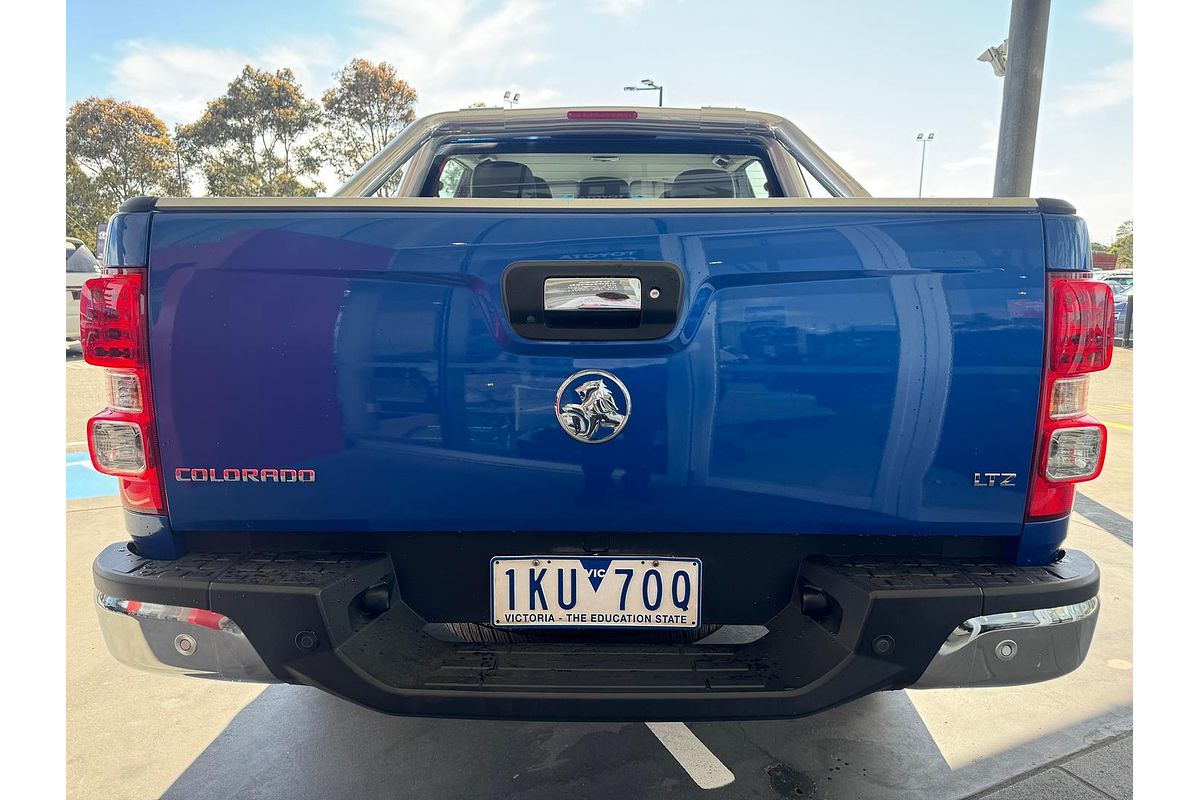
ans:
x=1013 y=648
x=178 y=640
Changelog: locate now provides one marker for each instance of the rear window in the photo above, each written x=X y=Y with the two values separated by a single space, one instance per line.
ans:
x=611 y=170
x=80 y=259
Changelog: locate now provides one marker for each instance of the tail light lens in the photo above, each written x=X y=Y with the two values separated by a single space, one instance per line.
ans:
x=113 y=331
x=1068 y=397
x=111 y=322
x=1079 y=340
x=1082 y=326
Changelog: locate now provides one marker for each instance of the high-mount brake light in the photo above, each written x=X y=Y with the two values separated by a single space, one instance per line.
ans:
x=1079 y=340
x=602 y=115
x=113 y=332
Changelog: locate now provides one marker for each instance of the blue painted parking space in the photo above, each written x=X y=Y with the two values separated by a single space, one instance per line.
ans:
x=83 y=481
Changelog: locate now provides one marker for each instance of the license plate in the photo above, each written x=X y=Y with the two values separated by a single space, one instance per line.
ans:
x=557 y=592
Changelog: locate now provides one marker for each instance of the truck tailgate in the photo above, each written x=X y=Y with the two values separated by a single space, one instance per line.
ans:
x=833 y=371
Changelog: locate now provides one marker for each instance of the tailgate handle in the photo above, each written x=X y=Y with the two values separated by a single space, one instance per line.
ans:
x=592 y=300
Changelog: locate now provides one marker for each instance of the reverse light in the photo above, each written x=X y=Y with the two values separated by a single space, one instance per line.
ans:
x=113 y=331
x=118 y=447
x=1075 y=453
x=1079 y=340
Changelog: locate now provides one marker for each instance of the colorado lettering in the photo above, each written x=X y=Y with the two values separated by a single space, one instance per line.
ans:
x=244 y=475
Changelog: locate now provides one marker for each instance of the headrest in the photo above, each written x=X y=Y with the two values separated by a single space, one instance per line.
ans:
x=702 y=183
x=501 y=179
x=646 y=188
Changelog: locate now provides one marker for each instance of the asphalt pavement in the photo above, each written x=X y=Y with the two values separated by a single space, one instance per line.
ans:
x=135 y=735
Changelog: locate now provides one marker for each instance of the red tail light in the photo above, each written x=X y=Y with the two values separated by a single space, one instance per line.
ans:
x=1082 y=326
x=113 y=332
x=1071 y=444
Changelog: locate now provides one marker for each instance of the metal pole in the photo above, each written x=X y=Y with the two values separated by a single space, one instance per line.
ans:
x=1027 y=28
x=660 y=97
x=921 y=180
x=1128 y=332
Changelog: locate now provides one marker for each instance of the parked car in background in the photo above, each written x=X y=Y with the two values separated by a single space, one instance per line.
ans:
x=81 y=265
x=1122 y=302
x=1121 y=280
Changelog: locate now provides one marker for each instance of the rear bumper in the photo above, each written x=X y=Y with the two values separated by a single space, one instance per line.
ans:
x=339 y=622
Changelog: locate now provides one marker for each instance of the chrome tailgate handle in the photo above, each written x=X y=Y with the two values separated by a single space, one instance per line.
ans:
x=593 y=300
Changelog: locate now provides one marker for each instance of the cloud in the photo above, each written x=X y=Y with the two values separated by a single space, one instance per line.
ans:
x=970 y=162
x=176 y=81
x=1114 y=14
x=455 y=49
x=853 y=161
x=1109 y=86
x=312 y=59
x=618 y=8
x=455 y=52
x=985 y=151
x=173 y=80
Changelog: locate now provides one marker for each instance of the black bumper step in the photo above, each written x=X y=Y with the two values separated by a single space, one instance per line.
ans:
x=886 y=619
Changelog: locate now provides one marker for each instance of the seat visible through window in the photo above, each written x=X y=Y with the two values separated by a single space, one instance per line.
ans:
x=501 y=179
x=701 y=183
x=604 y=188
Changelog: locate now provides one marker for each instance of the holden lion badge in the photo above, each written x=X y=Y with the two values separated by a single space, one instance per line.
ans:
x=601 y=411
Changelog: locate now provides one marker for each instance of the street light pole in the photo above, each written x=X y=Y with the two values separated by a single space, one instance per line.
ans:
x=924 y=139
x=1027 y=29
x=648 y=86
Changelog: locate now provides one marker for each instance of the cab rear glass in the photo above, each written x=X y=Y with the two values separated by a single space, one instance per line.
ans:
x=617 y=168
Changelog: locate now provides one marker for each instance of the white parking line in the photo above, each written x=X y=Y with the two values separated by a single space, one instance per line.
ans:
x=704 y=768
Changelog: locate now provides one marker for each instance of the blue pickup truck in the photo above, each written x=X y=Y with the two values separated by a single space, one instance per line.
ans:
x=600 y=413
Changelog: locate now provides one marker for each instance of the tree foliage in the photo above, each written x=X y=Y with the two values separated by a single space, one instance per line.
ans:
x=86 y=208
x=115 y=150
x=257 y=139
x=124 y=149
x=1123 y=244
x=364 y=110
x=261 y=137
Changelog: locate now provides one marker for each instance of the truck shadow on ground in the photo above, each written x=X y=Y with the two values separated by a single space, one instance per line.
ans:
x=298 y=742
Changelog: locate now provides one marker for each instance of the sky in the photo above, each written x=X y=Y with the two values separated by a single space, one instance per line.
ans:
x=862 y=79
